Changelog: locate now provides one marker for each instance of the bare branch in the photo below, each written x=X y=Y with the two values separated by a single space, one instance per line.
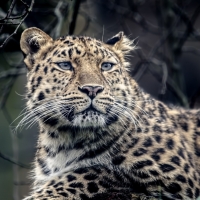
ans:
x=22 y=20
x=13 y=161
x=13 y=73
x=8 y=13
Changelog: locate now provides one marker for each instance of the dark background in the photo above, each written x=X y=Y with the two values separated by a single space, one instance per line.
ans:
x=165 y=64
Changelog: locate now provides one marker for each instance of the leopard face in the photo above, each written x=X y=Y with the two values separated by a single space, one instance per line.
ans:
x=75 y=81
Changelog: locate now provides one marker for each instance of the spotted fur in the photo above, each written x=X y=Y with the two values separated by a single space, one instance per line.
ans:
x=101 y=136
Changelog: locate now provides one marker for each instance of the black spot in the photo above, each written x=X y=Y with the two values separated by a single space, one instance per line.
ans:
x=196 y=143
x=148 y=142
x=98 y=44
x=166 y=167
x=62 y=128
x=61 y=148
x=37 y=68
x=100 y=149
x=76 y=185
x=186 y=168
x=184 y=126
x=63 y=53
x=55 y=52
x=79 y=144
x=156 y=153
x=170 y=143
x=46 y=70
x=90 y=177
x=142 y=175
x=46 y=171
x=96 y=169
x=51 y=183
x=162 y=110
x=181 y=178
x=197 y=193
x=139 y=152
x=154 y=172
x=155 y=157
x=157 y=128
x=117 y=160
x=64 y=194
x=70 y=52
x=71 y=178
x=56 y=169
x=92 y=187
x=52 y=134
x=50 y=121
x=190 y=183
x=81 y=171
x=41 y=96
x=29 y=96
x=176 y=160
x=59 y=189
x=189 y=193
x=134 y=141
x=73 y=191
x=198 y=122
x=45 y=55
x=47 y=91
x=58 y=184
x=159 y=151
x=139 y=130
x=41 y=162
x=53 y=69
x=83 y=197
x=49 y=191
x=39 y=80
x=104 y=184
x=173 y=188
x=180 y=152
x=142 y=164
x=157 y=138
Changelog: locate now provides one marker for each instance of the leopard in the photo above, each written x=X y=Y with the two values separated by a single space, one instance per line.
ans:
x=101 y=136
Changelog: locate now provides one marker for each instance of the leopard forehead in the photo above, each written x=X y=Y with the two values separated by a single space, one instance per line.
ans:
x=79 y=50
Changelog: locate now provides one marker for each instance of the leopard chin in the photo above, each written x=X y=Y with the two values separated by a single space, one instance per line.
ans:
x=89 y=118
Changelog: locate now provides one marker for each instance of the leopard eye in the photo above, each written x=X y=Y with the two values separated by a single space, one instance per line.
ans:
x=107 y=66
x=65 y=65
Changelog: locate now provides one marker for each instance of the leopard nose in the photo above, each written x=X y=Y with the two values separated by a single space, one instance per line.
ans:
x=90 y=90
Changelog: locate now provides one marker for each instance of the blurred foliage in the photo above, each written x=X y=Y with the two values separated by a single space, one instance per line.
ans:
x=166 y=64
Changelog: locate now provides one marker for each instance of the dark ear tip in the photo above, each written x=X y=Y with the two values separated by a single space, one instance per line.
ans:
x=121 y=33
x=115 y=38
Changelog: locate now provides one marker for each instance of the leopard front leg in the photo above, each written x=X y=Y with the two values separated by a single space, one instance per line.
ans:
x=94 y=183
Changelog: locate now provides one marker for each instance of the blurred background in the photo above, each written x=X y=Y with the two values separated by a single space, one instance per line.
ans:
x=166 y=64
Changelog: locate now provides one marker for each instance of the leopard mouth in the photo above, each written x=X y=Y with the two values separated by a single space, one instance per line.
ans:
x=87 y=113
x=90 y=110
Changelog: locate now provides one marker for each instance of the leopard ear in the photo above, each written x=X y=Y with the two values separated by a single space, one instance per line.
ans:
x=33 y=39
x=115 y=39
x=121 y=42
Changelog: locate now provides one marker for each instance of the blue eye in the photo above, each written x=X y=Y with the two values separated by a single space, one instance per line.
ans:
x=65 y=65
x=107 y=66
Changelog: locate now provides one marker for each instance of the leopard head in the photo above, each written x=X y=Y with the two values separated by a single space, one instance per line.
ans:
x=75 y=81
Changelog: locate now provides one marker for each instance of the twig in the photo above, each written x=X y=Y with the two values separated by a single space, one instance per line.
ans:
x=9 y=12
x=22 y=20
x=189 y=24
x=59 y=16
x=13 y=72
x=74 y=17
x=13 y=161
